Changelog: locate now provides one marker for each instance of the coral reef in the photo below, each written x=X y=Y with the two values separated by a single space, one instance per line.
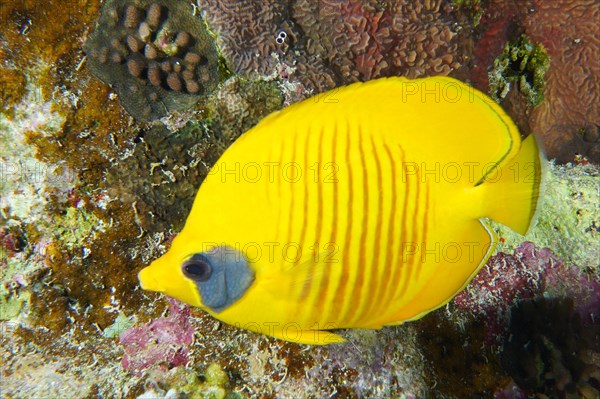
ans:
x=159 y=171
x=88 y=196
x=569 y=120
x=323 y=44
x=155 y=54
x=459 y=362
x=374 y=364
x=528 y=273
x=82 y=189
x=163 y=341
x=523 y=64
x=366 y=40
x=551 y=352
x=541 y=316
x=566 y=220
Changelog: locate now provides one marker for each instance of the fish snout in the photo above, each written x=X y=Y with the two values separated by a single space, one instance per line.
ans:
x=148 y=280
x=161 y=276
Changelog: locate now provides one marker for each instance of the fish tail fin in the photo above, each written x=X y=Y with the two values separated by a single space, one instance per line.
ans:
x=513 y=189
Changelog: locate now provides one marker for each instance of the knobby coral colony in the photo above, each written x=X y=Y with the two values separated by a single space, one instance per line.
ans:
x=157 y=55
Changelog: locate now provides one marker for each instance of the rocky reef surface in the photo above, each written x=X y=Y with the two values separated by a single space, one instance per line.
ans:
x=96 y=178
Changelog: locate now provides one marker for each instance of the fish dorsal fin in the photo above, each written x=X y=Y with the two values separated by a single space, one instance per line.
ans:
x=439 y=121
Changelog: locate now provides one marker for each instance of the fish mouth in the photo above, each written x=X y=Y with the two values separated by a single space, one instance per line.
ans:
x=148 y=280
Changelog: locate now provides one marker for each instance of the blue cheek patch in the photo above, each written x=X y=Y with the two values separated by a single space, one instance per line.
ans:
x=214 y=292
x=231 y=277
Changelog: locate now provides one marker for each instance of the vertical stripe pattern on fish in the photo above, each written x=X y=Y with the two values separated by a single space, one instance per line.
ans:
x=359 y=209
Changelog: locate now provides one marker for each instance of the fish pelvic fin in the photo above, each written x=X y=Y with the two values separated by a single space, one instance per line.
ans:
x=308 y=337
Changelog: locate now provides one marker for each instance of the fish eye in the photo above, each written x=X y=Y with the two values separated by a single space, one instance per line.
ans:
x=197 y=268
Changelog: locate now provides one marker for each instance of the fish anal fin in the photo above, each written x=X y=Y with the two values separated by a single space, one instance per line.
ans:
x=449 y=277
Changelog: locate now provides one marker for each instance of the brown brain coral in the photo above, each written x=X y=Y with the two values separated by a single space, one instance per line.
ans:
x=247 y=31
x=569 y=119
x=260 y=38
x=156 y=54
x=363 y=40
x=332 y=42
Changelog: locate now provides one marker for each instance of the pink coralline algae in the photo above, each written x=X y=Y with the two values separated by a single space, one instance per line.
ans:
x=10 y=243
x=333 y=42
x=164 y=341
x=529 y=272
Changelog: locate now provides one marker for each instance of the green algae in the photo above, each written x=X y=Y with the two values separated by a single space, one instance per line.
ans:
x=213 y=384
x=11 y=305
x=121 y=324
x=567 y=217
x=76 y=226
x=472 y=8
x=215 y=375
x=521 y=63
x=13 y=299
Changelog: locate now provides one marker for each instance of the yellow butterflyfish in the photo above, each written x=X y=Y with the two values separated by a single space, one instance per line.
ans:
x=358 y=208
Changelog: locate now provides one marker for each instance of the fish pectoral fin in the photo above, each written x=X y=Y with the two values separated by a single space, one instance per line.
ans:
x=310 y=268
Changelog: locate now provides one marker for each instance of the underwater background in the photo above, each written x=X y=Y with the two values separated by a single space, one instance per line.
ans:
x=105 y=138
